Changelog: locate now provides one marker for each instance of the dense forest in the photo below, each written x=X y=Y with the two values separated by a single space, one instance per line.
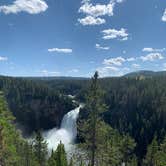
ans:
x=123 y=121
x=135 y=105
x=34 y=105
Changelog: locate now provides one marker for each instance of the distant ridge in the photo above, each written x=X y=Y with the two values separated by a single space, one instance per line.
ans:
x=55 y=78
x=146 y=73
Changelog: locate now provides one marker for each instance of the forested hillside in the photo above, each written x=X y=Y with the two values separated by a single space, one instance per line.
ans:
x=135 y=108
x=34 y=105
x=15 y=151
x=136 y=105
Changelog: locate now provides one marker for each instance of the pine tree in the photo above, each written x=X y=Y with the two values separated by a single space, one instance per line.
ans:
x=151 y=156
x=91 y=128
x=60 y=154
x=58 y=157
x=40 y=148
x=127 y=148
x=52 y=159
x=162 y=153
x=1 y=146
x=14 y=150
x=133 y=161
x=8 y=135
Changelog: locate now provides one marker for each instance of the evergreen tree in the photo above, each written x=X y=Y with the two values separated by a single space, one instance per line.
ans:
x=156 y=154
x=151 y=156
x=133 y=161
x=127 y=148
x=14 y=150
x=162 y=153
x=58 y=157
x=40 y=148
x=91 y=128
x=52 y=159
x=8 y=135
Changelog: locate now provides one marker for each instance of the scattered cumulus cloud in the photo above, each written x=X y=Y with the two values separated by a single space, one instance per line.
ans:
x=152 y=57
x=90 y=20
x=28 y=6
x=164 y=16
x=131 y=59
x=94 y=12
x=97 y=10
x=118 y=61
x=114 y=61
x=99 y=47
x=108 y=70
x=115 y=34
x=119 y=1
x=149 y=49
x=3 y=58
x=120 y=65
x=61 y=50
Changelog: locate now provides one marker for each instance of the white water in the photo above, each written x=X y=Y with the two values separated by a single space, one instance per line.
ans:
x=67 y=132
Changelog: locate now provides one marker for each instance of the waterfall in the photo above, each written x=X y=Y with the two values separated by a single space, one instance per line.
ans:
x=66 y=133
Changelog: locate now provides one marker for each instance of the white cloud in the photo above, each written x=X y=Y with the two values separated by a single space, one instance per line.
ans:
x=97 y=10
x=118 y=61
x=131 y=59
x=107 y=71
x=3 y=58
x=61 y=50
x=152 y=57
x=29 y=6
x=114 y=61
x=115 y=34
x=99 y=47
x=164 y=16
x=115 y=66
x=149 y=49
x=119 y=1
x=135 y=65
x=49 y=73
x=85 y=1
x=94 y=12
x=90 y=20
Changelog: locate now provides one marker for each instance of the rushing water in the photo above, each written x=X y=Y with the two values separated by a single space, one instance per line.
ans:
x=67 y=132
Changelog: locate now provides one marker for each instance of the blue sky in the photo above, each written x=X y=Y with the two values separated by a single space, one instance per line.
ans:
x=75 y=38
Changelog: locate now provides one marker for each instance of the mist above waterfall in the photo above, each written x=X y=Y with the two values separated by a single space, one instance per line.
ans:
x=67 y=132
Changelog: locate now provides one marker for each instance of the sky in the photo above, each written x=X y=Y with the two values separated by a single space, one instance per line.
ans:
x=78 y=37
